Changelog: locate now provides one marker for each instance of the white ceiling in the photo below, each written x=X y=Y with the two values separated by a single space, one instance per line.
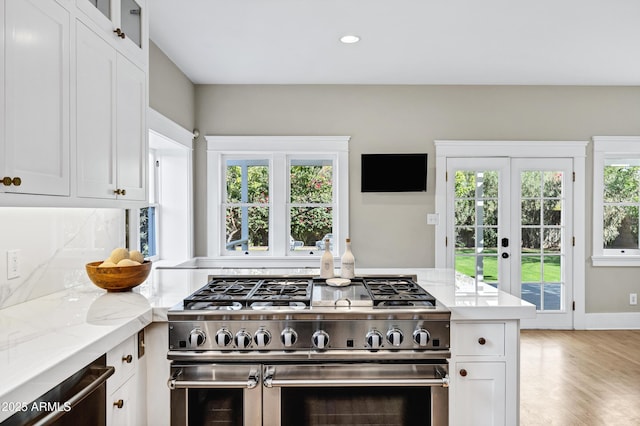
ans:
x=557 y=42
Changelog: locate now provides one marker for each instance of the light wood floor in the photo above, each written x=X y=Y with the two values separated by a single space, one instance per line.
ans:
x=580 y=377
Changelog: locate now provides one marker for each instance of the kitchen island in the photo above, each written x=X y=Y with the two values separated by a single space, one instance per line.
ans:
x=47 y=339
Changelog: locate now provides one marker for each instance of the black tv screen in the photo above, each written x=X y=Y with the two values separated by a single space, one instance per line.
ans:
x=394 y=172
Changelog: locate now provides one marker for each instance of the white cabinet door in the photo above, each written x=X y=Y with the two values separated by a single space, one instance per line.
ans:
x=96 y=115
x=480 y=391
x=35 y=140
x=111 y=121
x=131 y=130
x=121 y=405
x=121 y=387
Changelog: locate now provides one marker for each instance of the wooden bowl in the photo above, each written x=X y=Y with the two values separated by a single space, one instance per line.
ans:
x=118 y=278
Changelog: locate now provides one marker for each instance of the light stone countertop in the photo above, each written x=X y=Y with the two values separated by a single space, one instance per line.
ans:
x=45 y=340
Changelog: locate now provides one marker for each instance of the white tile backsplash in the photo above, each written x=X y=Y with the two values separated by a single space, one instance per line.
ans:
x=54 y=245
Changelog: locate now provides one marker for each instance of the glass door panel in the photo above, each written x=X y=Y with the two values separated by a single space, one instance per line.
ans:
x=543 y=189
x=477 y=187
x=131 y=20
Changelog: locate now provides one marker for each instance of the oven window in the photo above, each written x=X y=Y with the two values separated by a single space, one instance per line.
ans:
x=356 y=406
x=215 y=406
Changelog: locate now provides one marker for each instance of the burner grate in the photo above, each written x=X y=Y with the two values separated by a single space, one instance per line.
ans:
x=282 y=289
x=237 y=293
x=397 y=292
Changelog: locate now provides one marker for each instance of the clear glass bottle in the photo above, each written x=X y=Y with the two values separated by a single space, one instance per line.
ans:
x=348 y=262
x=326 y=261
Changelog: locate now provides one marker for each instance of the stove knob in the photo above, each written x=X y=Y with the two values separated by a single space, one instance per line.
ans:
x=196 y=338
x=223 y=337
x=394 y=336
x=320 y=339
x=262 y=338
x=421 y=337
x=288 y=337
x=374 y=339
x=243 y=339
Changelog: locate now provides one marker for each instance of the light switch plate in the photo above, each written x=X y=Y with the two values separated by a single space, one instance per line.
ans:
x=432 y=218
x=13 y=264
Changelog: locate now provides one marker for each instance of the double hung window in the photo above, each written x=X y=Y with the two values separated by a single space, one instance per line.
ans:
x=148 y=216
x=616 y=201
x=276 y=196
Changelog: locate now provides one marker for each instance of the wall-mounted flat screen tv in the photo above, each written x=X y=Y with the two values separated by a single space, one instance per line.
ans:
x=394 y=173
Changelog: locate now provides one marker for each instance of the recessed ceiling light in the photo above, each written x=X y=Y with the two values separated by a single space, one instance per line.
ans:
x=349 y=39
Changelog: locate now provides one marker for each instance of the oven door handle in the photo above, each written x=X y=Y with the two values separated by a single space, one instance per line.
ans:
x=270 y=381
x=251 y=382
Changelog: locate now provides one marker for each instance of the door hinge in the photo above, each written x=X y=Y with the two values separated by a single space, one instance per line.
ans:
x=573 y=305
x=574 y=176
x=446 y=176
x=573 y=241
x=446 y=241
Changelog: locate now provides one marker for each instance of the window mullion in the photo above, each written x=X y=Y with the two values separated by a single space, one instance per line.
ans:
x=278 y=204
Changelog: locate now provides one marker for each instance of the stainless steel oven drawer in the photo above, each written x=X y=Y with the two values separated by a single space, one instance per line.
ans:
x=221 y=393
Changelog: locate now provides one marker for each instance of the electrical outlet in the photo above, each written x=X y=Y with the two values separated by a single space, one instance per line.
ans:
x=432 y=218
x=13 y=264
x=633 y=298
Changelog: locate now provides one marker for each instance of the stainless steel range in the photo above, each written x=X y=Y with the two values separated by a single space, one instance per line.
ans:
x=292 y=350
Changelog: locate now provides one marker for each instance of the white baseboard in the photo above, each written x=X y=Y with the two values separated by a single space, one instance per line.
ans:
x=612 y=321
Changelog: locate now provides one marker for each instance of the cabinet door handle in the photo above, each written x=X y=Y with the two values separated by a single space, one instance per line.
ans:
x=127 y=359
x=119 y=403
x=463 y=373
x=482 y=340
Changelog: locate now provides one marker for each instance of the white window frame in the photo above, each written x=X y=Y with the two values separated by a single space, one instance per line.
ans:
x=279 y=150
x=174 y=242
x=606 y=147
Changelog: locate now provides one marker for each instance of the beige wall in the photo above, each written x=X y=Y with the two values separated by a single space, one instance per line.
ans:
x=171 y=93
x=390 y=229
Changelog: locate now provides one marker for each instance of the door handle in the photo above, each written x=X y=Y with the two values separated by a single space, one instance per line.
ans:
x=505 y=255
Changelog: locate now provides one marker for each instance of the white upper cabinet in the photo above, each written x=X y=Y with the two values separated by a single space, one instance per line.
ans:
x=124 y=21
x=73 y=103
x=111 y=121
x=35 y=141
x=131 y=131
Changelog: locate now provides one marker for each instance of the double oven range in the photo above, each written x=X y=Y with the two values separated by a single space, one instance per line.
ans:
x=293 y=350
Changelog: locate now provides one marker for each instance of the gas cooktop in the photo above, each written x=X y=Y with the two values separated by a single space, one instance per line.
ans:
x=299 y=293
x=278 y=316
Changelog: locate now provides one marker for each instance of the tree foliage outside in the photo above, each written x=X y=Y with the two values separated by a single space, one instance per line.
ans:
x=466 y=200
x=256 y=203
x=311 y=189
x=311 y=198
x=621 y=200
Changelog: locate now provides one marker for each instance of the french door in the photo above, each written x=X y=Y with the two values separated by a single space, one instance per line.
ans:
x=509 y=227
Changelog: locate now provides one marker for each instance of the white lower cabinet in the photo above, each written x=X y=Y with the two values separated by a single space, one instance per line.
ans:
x=121 y=405
x=481 y=386
x=126 y=388
x=484 y=373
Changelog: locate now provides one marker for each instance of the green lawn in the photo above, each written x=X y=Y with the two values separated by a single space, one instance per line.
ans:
x=530 y=267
